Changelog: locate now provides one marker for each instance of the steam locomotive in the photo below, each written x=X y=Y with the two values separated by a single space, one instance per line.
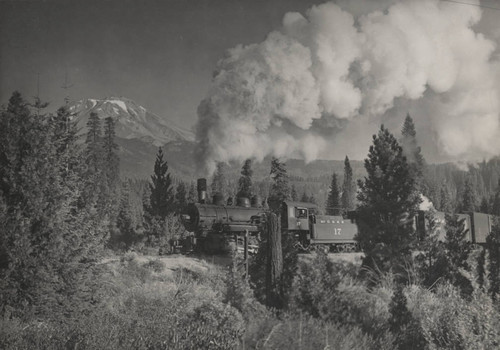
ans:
x=219 y=226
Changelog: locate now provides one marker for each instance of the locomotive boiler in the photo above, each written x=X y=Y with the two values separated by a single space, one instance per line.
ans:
x=218 y=226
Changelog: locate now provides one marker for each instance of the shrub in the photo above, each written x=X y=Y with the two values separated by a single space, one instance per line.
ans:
x=450 y=322
x=306 y=332
x=331 y=292
x=156 y=265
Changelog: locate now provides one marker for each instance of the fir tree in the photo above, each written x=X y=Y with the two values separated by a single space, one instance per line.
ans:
x=305 y=197
x=95 y=181
x=93 y=143
x=457 y=252
x=219 y=181
x=109 y=195
x=468 y=203
x=333 y=200
x=444 y=199
x=349 y=188
x=411 y=150
x=495 y=210
x=312 y=199
x=111 y=159
x=245 y=182
x=192 y=195
x=484 y=207
x=280 y=188
x=388 y=202
x=180 y=197
x=294 y=194
x=161 y=198
x=124 y=221
x=493 y=247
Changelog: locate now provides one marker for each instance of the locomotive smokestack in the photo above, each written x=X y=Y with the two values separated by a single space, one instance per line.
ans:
x=202 y=190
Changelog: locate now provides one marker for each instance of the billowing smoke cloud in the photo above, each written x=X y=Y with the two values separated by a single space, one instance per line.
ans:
x=323 y=78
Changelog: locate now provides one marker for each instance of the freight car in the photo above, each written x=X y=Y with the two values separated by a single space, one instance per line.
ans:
x=477 y=225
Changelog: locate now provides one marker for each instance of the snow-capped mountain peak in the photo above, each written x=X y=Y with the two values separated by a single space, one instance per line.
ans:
x=132 y=120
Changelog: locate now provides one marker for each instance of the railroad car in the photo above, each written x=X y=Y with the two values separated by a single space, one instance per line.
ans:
x=329 y=232
x=477 y=225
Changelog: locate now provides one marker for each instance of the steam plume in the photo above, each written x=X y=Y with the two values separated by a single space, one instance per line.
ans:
x=316 y=81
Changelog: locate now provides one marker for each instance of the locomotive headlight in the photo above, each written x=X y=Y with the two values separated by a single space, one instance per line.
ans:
x=185 y=218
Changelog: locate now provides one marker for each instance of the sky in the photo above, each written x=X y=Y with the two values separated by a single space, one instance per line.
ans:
x=296 y=78
x=161 y=54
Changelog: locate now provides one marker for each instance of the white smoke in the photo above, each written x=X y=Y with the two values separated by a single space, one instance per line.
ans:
x=323 y=75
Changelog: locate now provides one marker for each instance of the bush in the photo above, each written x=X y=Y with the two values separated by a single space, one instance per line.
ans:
x=331 y=292
x=156 y=265
x=305 y=332
x=450 y=322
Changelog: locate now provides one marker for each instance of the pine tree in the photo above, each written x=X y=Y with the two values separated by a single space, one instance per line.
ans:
x=485 y=206
x=495 y=210
x=304 y=197
x=349 y=188
x=109 y=193
x=111 y=159
x=219 y=181
x=95 y=181
x=468 y=203
x=93 y=143
x=411 y=150
x=64 y=138
x=162 y=197
x=445 y=200
x=388 y=202
x=457 y=252
x=333 y=201
x=294 y=194
x=180 y=197
x=312 y=199
x=493 y=247
x=192 y=195
x=124 y=220
x=280 y=188
x=245 y=182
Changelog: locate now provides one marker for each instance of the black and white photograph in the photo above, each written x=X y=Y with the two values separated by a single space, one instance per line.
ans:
x=249 y=174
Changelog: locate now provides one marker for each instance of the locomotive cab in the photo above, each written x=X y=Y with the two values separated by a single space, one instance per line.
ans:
x=295 y=215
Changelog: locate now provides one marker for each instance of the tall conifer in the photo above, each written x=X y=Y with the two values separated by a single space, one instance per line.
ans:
x=468 y=203
x=219 y=181
x=245 y=182
x=333 y=200
x=388 y=202
x=411 y=150
x=280 y=187
x=162 y=197
x=349 y=188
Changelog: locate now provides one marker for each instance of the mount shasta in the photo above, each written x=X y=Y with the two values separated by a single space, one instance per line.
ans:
x=139 y=133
